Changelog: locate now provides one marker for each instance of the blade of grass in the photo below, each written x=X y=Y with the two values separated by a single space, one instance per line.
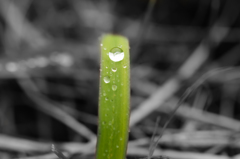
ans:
x=114 y=98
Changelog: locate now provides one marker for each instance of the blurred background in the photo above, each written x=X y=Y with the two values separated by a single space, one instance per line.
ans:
x=49 y=70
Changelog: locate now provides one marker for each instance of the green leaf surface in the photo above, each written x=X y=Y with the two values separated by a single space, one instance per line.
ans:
x=114 y=98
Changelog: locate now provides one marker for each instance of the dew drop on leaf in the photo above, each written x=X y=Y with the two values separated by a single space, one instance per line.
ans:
x=114 y=69
x=114 y=87
x=116 y=54
x=106 y=79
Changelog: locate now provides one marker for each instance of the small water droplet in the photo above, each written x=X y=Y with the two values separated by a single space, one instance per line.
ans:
x=120 y=138
x=114 y=69
x=109 y=123
x=114 y=87
x=106 y=98
x=124 y=66
x=106 y=115
x=117 y=146
x=120 y=46
x=103 y=123
x=116 y=54
x=100 y=70
x=104 y=94
x=122 y=84
x=106 y=79
x=106 y=67
x=101 y=44
x=104 y=48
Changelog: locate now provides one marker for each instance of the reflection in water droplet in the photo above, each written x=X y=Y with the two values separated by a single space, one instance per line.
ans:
x=124 y=66
x=114 y=69
x=116 y=54
x=114 y=87
x=106 y=79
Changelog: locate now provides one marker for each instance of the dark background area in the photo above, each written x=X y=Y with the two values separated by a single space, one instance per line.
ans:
x=50 y=62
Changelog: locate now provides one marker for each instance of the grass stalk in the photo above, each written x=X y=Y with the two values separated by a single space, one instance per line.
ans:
x=114 y=98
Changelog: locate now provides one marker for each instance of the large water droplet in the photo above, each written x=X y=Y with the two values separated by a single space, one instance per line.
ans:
x=116 y=54
x=114 y=87
x=106 y=79
x=114 y=69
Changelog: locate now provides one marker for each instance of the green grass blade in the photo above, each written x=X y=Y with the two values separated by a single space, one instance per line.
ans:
x=114 y=98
